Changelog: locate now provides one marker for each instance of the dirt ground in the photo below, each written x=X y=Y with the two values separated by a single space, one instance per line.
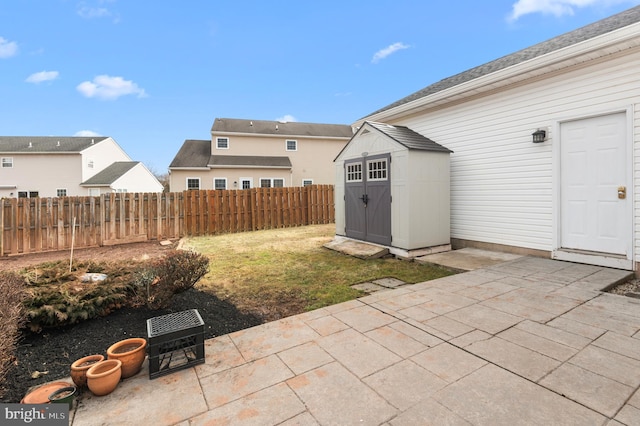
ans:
x=46 y=356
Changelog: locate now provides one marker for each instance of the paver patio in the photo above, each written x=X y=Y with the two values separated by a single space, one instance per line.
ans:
x=527 y=341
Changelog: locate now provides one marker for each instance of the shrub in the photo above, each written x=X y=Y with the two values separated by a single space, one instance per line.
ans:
x=176 y=272
x=56 y=297
x=12 y=318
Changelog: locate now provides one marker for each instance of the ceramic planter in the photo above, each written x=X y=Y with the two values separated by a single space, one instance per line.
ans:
x=131 y=352
x=104 y=376
x=79 y=369
x=64 y=395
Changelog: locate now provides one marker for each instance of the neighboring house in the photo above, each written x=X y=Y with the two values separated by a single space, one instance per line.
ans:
x=244 y=154
x=546 y=144
x=36 y=166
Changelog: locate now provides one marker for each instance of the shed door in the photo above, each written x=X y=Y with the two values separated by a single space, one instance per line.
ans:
x=593 y=163
x=368 y=199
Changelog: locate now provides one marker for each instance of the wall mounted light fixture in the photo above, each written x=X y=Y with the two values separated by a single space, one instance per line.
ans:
x=539 y=136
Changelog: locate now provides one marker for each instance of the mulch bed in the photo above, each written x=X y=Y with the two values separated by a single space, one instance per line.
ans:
x=48 y=355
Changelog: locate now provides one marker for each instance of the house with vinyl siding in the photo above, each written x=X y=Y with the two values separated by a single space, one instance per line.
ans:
x=545 y=146
x=243 y=154
x=53 y=166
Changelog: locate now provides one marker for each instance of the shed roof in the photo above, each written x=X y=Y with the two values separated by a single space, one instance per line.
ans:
x=262 y=127
x=47 y=144
x=407 y=137
x=612 y=23
x=110 y=174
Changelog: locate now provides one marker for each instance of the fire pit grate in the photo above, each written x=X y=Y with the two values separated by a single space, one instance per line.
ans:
x=176 y=341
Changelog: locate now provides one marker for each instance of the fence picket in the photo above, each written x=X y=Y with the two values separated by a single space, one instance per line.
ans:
x=31 y=225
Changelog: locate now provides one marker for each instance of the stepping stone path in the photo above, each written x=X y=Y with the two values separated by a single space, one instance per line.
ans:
x=379 y=285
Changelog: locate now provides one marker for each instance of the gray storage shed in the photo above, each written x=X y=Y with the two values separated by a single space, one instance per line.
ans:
x=392 y=189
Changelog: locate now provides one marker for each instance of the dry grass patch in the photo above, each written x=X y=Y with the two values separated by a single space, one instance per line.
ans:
x=282 y=272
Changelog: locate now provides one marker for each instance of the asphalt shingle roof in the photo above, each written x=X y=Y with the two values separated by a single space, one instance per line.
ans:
x=261 y=127
x=110 y=174
x=249 y=161
x=192 y=153
x=407 y=137
x=620 y=20
x=47 y=144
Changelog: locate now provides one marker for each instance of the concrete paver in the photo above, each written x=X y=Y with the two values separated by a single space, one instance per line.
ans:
x=521 y=341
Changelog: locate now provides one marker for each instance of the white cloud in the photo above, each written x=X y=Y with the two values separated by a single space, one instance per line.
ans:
x=557 y=7
x=287 y=118
x=86 y=133
x=109 y=88
x=93 y=12
x=7 y=48
x=41 y=76
x=383 y=53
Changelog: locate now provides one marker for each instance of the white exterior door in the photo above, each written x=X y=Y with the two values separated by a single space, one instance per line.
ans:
x=595 y=187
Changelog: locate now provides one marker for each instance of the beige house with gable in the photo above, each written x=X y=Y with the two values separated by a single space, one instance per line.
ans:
x=245 y=154
x=58 y=166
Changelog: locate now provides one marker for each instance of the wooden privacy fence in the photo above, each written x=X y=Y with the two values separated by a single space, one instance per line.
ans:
x=31 y=225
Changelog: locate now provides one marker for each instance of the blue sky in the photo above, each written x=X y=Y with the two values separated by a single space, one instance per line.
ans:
x=151 y=74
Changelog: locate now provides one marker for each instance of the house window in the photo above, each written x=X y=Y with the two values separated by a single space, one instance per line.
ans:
x=245 y=183
x=220 y=183
x=94 y=192
x=271 y=183
x=354 y=172
x=61 y=192
x=292 y=145
x=120 y=190
x=193 y=183
x=222 y=143
x=377 y=170
x=7 y=162
x=90 y=164
x=28 y=194
x=307 y=182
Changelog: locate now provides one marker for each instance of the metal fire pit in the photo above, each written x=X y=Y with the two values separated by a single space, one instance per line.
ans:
x=176 y=341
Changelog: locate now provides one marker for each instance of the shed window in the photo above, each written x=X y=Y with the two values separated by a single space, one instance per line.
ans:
x=354 y=172
x=7 y=162
x=377 y=170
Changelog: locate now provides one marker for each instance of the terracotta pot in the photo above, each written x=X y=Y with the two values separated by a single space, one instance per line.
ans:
x=104 y=376
x=131 y=352
x=64 y=395
x=79 y=369
x=40 y=394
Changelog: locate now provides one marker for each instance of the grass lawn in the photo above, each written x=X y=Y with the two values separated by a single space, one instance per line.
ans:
x=282 y=272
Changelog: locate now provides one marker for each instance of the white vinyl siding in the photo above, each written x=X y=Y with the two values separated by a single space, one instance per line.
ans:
x=502 y=188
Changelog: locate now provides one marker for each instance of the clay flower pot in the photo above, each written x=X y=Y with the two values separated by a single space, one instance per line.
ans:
x=79 y=369
x=104 y=376
x=64 y=395
x=131 y=352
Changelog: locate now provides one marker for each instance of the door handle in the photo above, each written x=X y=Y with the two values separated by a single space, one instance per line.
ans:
x=365 y=199
x=622 y=192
